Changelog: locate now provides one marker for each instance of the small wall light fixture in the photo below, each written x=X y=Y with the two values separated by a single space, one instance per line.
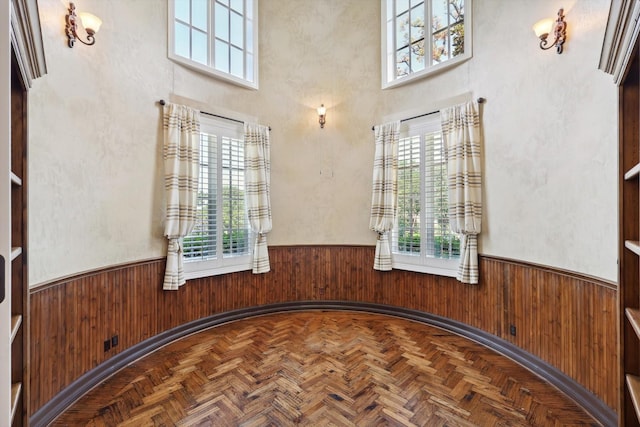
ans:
x=91 y=24
x=322 y=115
x=543 y=27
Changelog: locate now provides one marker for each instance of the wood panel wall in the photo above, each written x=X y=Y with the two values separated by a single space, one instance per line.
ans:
x=565 y=319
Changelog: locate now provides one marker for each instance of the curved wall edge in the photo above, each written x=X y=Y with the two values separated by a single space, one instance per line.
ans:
x=587 y=400
x=556 y=270
x=566 y=320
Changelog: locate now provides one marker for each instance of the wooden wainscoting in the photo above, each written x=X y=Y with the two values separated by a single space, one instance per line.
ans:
x=567 y=320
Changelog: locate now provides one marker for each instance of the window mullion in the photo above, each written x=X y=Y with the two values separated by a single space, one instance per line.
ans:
x=190 y=29
x=392 y=54
x=219 y=199
x=211 y=39
x=231 y=201
x=424 y=217
x=448 y=34
x=428 y=33
x=212 y=202
x=229 y=37
x=244 y=39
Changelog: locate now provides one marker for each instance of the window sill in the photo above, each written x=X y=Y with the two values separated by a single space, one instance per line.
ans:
x=196 y=270
x=447 y=268
x=436 y=69
x=212 y=72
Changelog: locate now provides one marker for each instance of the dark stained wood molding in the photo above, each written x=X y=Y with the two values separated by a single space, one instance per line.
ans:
x=555 y=270
x=71 y=277
x=594 y=406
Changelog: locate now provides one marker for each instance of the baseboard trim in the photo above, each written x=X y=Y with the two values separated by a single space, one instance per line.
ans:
x=581 y=396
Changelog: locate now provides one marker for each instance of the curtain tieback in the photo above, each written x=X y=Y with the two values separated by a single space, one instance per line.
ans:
x=175 y=245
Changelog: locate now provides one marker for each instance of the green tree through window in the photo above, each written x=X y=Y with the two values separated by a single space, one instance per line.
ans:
x=222 y=226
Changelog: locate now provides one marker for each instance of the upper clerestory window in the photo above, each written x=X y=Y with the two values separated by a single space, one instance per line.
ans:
x=413 y=50
x=216 y=37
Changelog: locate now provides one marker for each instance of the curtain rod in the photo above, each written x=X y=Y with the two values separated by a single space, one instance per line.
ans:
x=480 y=101
x=162 y=102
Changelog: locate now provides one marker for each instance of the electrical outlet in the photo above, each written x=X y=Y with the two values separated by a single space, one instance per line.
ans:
x=107 y=345
x=114 y=341
x=512 y=330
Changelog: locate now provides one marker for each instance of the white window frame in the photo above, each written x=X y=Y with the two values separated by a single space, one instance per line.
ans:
x=388 y=46
x=210 y=68
x=421 y=262
x=230 y=263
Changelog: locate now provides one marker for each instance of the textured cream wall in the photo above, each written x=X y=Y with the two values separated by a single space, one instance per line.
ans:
x=550 y=130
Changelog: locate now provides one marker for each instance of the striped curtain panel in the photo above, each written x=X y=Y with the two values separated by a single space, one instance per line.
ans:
x=461 y=134
x=257 y=160
x=181 y=165
x=385 y=191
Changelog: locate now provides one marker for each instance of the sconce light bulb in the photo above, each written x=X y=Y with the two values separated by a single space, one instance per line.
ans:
x=90 y=22
x=322 y=115
x=543 y=27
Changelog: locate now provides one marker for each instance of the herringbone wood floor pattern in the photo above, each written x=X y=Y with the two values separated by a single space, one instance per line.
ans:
x=324 y=368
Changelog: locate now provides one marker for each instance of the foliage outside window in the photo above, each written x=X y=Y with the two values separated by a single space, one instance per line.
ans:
x=422 y=239
x=217 y=37
x=415 y=50
x=220 y=242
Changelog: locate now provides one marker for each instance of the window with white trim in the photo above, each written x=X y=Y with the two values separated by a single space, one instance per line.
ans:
x=422 y=239
x=217 y=37
x=221 y=240
x=413 y=50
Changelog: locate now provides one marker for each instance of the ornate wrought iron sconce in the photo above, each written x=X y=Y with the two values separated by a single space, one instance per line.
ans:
x=543 y=28
x=322 y=115
x=91 y=24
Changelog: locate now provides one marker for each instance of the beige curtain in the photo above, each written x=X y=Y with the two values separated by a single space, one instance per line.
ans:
x=461 y=133
x=385 y=191
x=181 y=165
x=257 y=159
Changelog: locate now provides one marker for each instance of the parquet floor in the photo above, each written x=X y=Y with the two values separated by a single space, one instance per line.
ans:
x=320 y=368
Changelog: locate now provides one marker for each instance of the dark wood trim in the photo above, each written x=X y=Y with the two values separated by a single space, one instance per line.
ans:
x=555 y=270
x=629 y=229
x=19 y=239
x=76 y=276
x=588 y=401
x=598 y=281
